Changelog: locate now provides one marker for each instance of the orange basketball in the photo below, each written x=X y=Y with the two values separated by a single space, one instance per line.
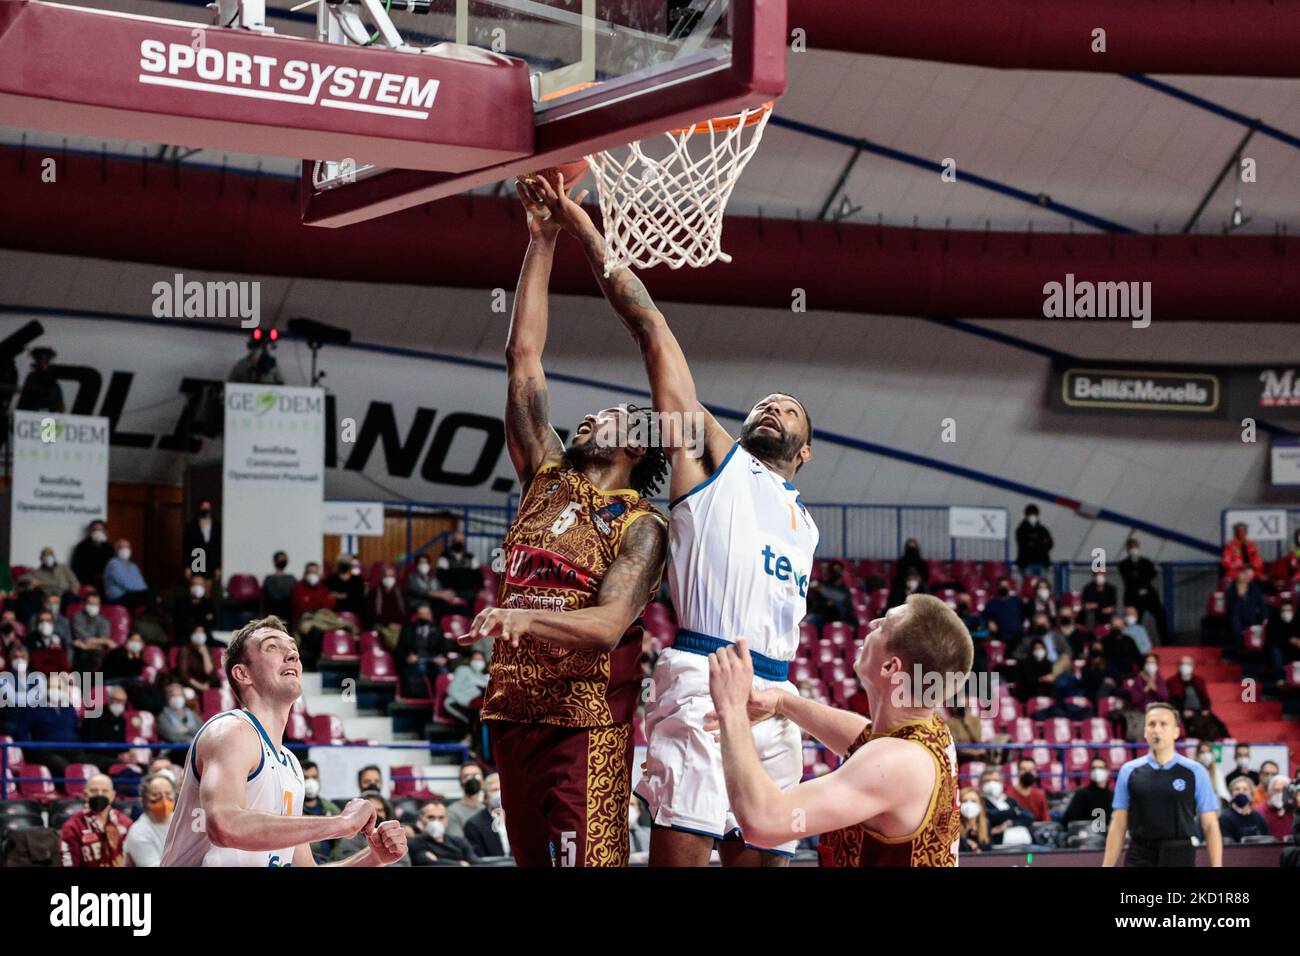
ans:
x=573 y=173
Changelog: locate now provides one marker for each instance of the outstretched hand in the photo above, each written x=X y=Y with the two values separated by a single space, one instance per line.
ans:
x=510 y=623
x=566 y=210
x=731 y=677
x=541 y=225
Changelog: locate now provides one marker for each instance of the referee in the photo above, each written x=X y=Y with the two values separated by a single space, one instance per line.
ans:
x=1158 y=798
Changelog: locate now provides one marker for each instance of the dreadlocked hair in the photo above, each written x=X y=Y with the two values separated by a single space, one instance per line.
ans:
x=649 y=472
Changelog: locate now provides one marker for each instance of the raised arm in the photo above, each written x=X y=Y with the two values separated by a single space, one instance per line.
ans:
x=697 y=450
x=530 y=439
x=228 y=752
x=626 y=588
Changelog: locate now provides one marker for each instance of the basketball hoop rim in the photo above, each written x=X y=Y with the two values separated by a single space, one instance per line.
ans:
x=724 y=124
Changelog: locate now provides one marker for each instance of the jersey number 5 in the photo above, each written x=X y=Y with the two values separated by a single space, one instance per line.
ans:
x=567 y=517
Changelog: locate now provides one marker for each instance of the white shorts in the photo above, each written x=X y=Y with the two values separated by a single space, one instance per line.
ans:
x=683 y=782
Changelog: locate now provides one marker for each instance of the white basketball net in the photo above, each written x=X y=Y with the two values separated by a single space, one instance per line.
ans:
x=670 y=209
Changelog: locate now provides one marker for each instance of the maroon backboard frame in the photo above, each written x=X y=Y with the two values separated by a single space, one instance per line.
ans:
x=585 y=124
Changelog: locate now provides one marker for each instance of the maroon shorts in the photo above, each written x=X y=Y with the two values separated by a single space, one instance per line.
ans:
x=565 y=792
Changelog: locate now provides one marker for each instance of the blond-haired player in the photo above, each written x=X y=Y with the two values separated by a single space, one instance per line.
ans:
x=241 y=798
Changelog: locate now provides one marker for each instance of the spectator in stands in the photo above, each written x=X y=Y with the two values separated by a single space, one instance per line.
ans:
x=90 y=636
x=965 y=726
x=310 y=594
x=54 y=579
x=55 y=723
x=974 y=822
x=830 y=599
x=145 y=839
x=59 y=625
x=1033 y=545
x=910 y=562
x=201 y=544
x=1074 y=636
x=111 y=726
x=316 y=805
x=370 y=778
x=1097 y=683
x=1134 y=629
x=388 y=611
x=1245 y=605
x=1147 y=687
x=1099 y=600
x=195 y=611
x=423 y=587
x=1056 y=647
x=95 y=836
x=1281 y=819
x=1267 y=771
x=485 y=831
x=422 y=651
x=1043 y=600
x=1188 y=693
x=348 y=589
x=1139 y=575
x=91 y=555
x=1092 y=797
x=471 y=801
x=465 y=692
x=1282 y=639
x=278 y=588
x=49 y=654
x=196 y=668
x=177 y=723
x=1008 y=821
x=124 y=582
x=1026 y=791
x=1241 y=819
x=1241 y=756
x=124 y=664
x=966 y=611
x=1122 y=654
x=434 y=846
x=1206 y=757
x=1004 y=615
x=1241 y=552
x=458 y=570
x=1033 y=673
x=911 y=582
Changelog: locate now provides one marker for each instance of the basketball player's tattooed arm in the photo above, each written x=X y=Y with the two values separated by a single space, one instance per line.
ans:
x=228 y=752
x=629 y=583
x=885 y=775
x=530 y=439
x=699 y=442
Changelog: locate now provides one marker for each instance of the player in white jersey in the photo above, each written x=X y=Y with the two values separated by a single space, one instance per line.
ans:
x=741 y=548
x=241 y=797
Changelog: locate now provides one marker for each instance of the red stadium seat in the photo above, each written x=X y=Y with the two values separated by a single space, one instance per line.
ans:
x=327 y=729
x=1021 y=730
x=801 y=670
x=119 y=621
x=39 y=785
x=142 y=723
x=1216 y=605
x=244 y=589
x=1293 y=674
x=339 y=647
x=1107 y=704
x=988 y=729
x=378 y=666
x=351 y=619
x=879 y=601
x=808 y=632
x=216 y=700
x=454 y=625
x=1077 y=760
x=298 y=727
x=440 y=715
x=1008 y=709
x=424 y=700
x=76 y=776
x=1038 y=703
x=837 y=632
x=1057 y=730
x=1096 y=730
x=1116 y=755
x=154 y=657
x=1252 y=639
x=997 y=652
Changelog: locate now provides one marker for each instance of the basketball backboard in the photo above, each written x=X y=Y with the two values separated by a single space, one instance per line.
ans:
x=603 y=73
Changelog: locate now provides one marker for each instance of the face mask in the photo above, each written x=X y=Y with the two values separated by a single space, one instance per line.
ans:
x=422 y=568
x=281 y=565
x=1243 y=763
x=198 y=638
x=1151 y=669
x=311 y=788
x=1099 y=579
x=1275 y=801
x=472 y=786
x=161 y=810
x=1241 y=800
x=1067 y=624
x=1028 y=779
x=176 y=702
x=92 y=610
x=456 y=548
x=494 y=800
x=47 y=560
x=124 y=554
x=197 y=590
x=1134 y=553
x=388 y=582
x=117 y=710
x=97 y=803
x=205 y=513
x=436 y=829
x=1288 y=616
x=1040 y=629
x=912 y=584
x=1207 y=758
x=477 y=666
x=134 y=647
x=992 y=789
x=46 y=628
x=970 y=809
x=1100 y=776
x=98 y=537
x=312 y=580
x=1039 y=653
x=1130 y=620
x=356 y=569
x=1044 y=594
x=1032 y=519
x=1003 y=592
x=1185 y=671
x=1265 y=780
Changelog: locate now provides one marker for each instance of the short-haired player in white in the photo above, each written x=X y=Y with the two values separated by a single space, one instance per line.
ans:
x=741 y=549
x=241 y=797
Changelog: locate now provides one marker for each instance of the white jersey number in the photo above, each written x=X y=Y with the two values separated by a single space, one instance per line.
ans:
x=567 y=517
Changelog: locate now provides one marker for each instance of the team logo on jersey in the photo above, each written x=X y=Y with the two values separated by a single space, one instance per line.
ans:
x=1180 y=784
x=606 y=515
x=538 y=568
x=551 y=488
x=780 y=567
